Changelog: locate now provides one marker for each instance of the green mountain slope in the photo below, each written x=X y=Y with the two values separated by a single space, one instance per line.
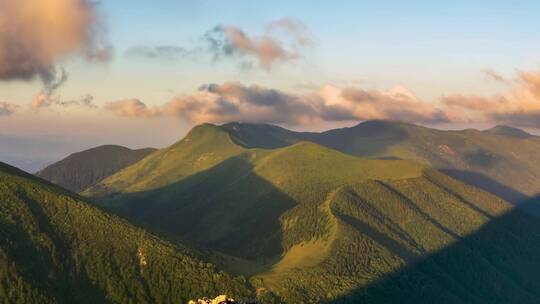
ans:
x=317 y=225
x=55 y=248
x=501 y=160
x=421 y=240
x=84 y=169
x=236 y=189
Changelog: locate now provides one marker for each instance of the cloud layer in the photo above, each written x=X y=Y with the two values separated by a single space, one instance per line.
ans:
x=520 y=106
x=35 y=34
x=132 y=108
x=233 y=101
x=218 y=103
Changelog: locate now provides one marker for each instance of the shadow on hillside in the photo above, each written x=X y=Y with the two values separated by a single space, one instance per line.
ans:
x=208 y=210
x=497 y=264
x=487 y=184
x=513 y=196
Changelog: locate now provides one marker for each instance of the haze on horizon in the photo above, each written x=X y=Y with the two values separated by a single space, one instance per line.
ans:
x=78 y=73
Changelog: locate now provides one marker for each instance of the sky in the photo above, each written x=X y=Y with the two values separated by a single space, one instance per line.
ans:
x=142 y=73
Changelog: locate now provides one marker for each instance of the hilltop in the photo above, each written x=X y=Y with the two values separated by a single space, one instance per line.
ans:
x=81 y=170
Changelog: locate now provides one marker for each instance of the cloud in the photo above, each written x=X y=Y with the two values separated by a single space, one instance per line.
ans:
x=47 y=95
x=398 y=103
x=282 y=40
x=492 y=75
x=7 y=109
x=86 y=100
x=218 y=103
x=292 y=27
x=520 y=106
x=54 y=79
x=163 y=52
x=237 y=102
x=233 y=101
x=266 y=49
x=531 y=81
x=132 y=108
x=35 y=34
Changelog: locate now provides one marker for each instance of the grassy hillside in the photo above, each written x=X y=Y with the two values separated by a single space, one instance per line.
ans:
x=502 y=160
x=313 y=224
x=55 y=248
x=84 y=169
x=208 y=181
x=421 y=240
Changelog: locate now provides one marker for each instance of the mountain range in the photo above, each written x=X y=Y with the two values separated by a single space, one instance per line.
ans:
x=312 y=218
x=502 y=160
x=382 y=212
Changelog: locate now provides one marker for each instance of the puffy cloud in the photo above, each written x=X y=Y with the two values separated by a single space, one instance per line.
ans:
x=35 y=34
x=237 y=102
x=398 y=103
x=132 y=108
x=218 y=103
x=520 y=106
x=6 y=109
x=266 y=49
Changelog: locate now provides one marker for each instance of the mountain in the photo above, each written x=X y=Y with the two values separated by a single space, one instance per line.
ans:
x=502 y=160
x=81 y=170
x=56 y=248
x=509 y=131
x=315 y=225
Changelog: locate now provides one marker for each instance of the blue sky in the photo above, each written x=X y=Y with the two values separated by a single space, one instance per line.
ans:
x=434 y=47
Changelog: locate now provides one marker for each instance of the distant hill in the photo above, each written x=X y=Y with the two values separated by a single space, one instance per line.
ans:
x=509 y=131
x=316 y=225
x=83 y=169
x=56 y=248
x=502 y=160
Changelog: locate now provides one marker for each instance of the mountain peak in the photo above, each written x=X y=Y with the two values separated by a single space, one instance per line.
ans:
x=508 y=131
x=267 y=136
x=384 y=123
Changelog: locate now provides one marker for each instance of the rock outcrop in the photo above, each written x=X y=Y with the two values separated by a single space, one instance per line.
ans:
x=221 y=299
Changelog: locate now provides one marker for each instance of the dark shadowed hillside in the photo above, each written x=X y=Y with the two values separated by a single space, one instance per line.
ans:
x=83 y=169
x=55 y=248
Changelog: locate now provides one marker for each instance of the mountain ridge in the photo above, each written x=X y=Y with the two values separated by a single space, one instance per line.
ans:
x=503 y=154
x=311 y=223
x=81 y=170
